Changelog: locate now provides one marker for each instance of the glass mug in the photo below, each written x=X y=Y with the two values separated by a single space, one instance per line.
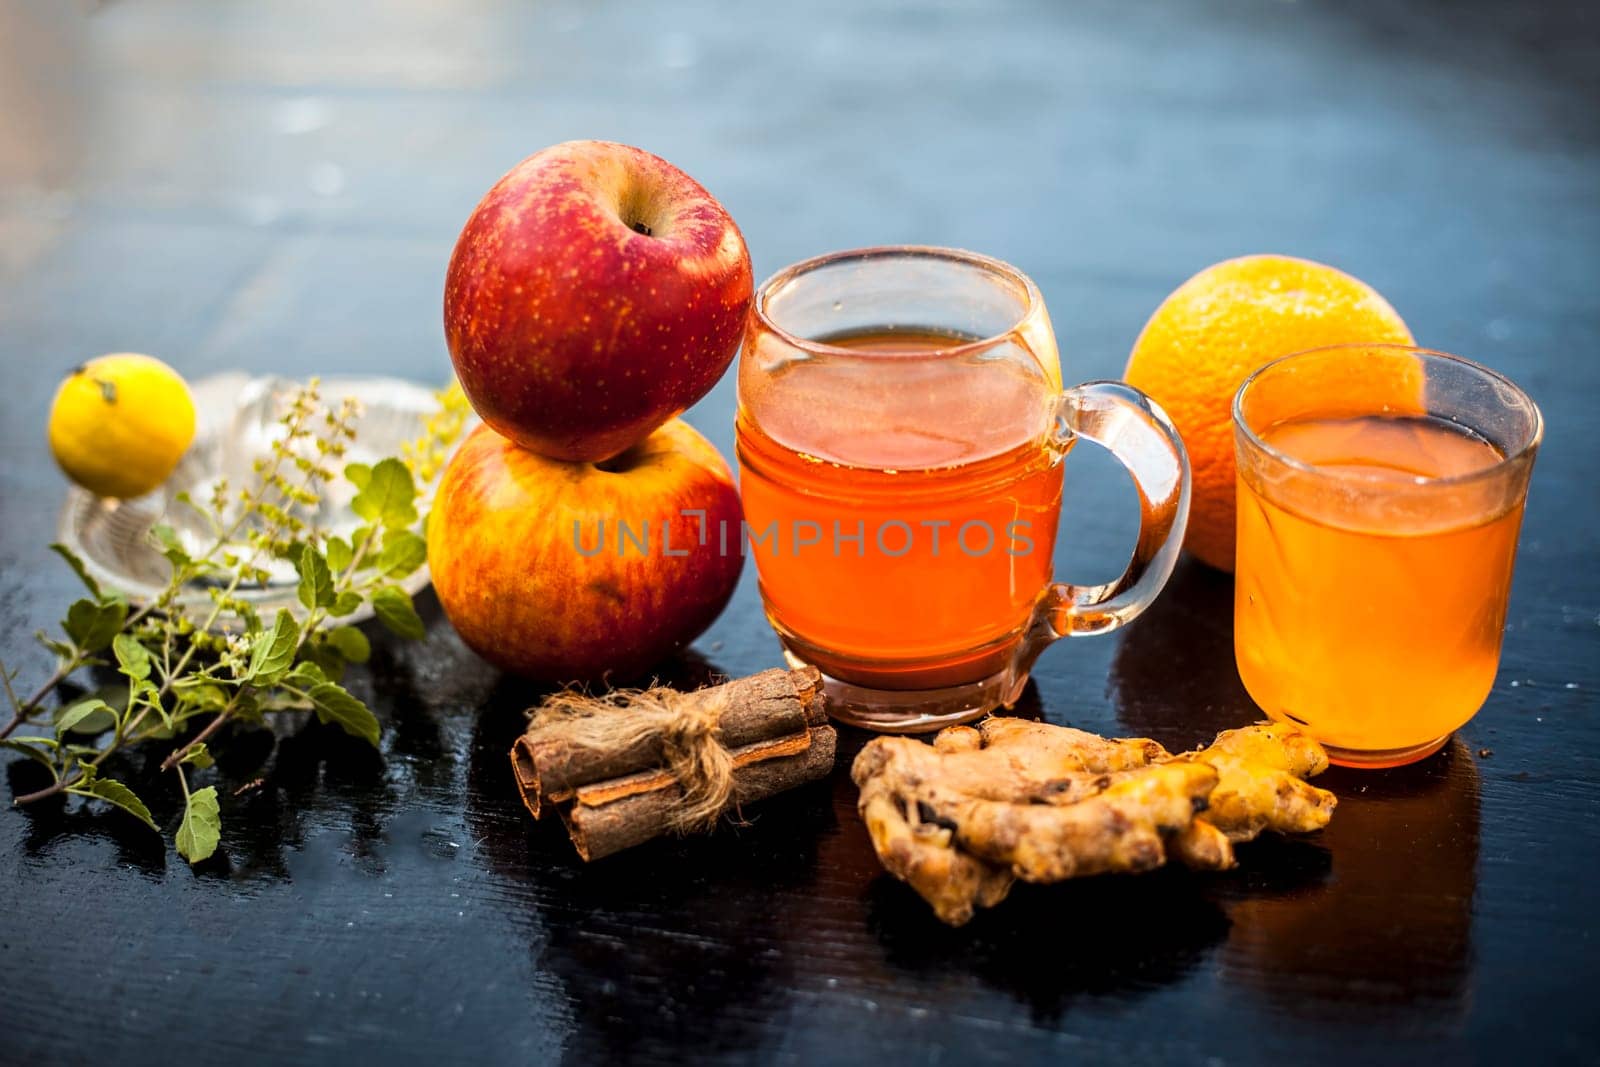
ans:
x=1380 y=494
x=901 y=429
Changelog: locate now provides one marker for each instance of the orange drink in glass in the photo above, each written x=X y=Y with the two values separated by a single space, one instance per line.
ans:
x=1380 y=494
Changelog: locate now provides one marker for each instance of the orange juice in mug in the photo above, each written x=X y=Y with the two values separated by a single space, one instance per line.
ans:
x=901 y=430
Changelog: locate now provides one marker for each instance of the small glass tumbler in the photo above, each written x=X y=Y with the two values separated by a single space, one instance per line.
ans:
x=1380 y=495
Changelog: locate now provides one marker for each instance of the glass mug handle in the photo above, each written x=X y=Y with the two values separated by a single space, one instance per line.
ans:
x=1134 y=429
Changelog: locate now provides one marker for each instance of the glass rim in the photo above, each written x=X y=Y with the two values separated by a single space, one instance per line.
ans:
x=1032 y=298
x=1527 y=448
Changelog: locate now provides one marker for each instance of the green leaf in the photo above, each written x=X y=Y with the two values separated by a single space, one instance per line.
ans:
x=199 y=756
x=351 y=643
x=30 y=740
x=306 y=675
x=358 y=474
x=316 y=581
x=335 y=704
x=325 y=659
x=171 y=547
x=132 y=657
x=114 y=792
x=92 y=624
x=201 y=829
x=345 y=604
x=389 y=496
x=78 y=568
x=403 y=552
x=273 y=651
x=32 y=747
x=205 y=696
x=63 y=651
x=339 y=554
x=146 y=693
x=91 y=716
x=283 y=700
x=393 y=607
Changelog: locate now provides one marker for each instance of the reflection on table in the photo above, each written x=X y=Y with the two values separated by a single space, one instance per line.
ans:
x=1374 y=914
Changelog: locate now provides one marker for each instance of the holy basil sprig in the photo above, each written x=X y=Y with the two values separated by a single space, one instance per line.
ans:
x=185 y=672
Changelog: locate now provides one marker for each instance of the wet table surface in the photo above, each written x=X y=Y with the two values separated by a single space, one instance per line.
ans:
x=277 y=188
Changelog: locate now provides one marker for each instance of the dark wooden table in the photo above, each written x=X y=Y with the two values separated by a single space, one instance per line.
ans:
x=278 y=187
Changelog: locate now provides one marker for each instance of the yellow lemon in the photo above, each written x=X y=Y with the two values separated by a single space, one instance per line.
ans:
x=120 y=423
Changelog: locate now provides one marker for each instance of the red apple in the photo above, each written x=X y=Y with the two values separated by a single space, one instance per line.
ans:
x=595 y=292
x=537 y=572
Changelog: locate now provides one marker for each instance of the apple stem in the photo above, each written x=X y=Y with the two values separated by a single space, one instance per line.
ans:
x=639 y=227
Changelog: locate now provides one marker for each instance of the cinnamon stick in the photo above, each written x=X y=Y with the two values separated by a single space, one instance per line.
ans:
x=619 y=815
x=551 y=768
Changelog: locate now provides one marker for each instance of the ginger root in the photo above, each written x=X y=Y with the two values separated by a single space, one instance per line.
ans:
x=1261 y=772
x=961 y=819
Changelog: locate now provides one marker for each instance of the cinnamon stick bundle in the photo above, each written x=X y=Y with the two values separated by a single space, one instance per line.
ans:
x=629 y=766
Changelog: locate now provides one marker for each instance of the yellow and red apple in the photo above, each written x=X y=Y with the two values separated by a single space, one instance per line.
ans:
x=595 y=292
x=536 y=572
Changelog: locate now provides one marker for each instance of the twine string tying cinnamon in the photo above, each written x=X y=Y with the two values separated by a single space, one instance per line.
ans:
x=685 y=728
x=626 y=767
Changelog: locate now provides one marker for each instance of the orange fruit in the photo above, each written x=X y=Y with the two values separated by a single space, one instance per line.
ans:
x=1216 y=330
